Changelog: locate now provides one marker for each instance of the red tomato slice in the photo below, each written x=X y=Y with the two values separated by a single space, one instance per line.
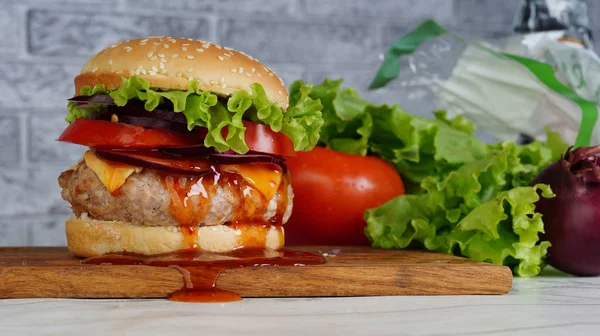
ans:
x=106 y=134
x=261 y=138
x=109 y=135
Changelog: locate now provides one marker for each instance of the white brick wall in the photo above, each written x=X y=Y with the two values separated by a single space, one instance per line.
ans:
x=44 y=43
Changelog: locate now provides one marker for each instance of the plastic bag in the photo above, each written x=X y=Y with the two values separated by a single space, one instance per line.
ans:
x=503 y=89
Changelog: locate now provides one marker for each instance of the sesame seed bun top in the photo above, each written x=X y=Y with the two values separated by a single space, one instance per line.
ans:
x=169 y=63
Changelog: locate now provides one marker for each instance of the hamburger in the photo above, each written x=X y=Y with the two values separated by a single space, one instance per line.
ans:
x=186 y=149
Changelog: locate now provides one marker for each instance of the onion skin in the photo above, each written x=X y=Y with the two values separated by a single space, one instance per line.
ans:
x=572 y=218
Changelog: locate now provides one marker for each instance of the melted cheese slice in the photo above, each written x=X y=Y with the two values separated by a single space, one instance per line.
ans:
x=112 y=174
x=264 y=178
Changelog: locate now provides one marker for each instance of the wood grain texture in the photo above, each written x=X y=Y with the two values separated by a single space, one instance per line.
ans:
x=52 y=272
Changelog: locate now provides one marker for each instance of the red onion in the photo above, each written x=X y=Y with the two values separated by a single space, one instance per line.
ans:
x=149 y=122
x=226 y=159
x=157 y=162
x=132 y=110
x=572 y=218
x=229 y=157
x=96 y=99
x=189 y=164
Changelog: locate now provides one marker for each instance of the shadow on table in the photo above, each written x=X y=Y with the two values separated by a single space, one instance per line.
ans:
x=552 y=272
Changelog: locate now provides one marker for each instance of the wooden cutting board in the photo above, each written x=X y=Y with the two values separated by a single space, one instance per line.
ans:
x=52 y=272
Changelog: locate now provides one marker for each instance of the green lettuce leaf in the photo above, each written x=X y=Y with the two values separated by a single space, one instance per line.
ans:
x=479 y=211
x=301 y=123
x=556 y=144
x=417 y=146
x=465 y=197
x=303 y=120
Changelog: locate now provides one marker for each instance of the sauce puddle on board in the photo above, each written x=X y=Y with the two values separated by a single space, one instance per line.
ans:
x=200 y=269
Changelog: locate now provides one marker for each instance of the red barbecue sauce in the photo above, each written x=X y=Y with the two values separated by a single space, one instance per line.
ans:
x=200 y=270
x=189 y=203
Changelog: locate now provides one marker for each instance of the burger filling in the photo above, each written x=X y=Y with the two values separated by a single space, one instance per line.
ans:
x=195 y=109
x=248 y=194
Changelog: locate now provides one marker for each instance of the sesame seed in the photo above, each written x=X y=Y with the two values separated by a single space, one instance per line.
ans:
x=184 y=48
x=113 y=46
x=119 y=72
x=222 y=80
x=154 y=68
x=248 y=74
x=155 y=43
x=228 y=55
x=190 y=57
x=144 y=71
x=173 y=40
x=150 y=54
x=258 y=73
x=224 y=85
x=153 y=58
x=128 y=48
x=161 y=55
x=227 y=48
x=213 y=82
x=271 y=74
x=94 y=69
x=144 y=40
x=190 y=39
x=185 y=44
x=280 y=93
x=253 y=70
x=163 y=71
x=190 y=70
x=240 y=70
x=162 y=65
x=233 y=70
x=218 y=46
x=221 y=58
x=110 y=62
x=179 y=74
x=152 y=73
x=166 y=46
x=174 y=55
x=200 y=50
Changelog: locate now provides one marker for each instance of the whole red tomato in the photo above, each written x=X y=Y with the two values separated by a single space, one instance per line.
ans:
x=332 y=191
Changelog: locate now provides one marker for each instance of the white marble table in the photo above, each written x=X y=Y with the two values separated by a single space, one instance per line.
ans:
x=552 y=304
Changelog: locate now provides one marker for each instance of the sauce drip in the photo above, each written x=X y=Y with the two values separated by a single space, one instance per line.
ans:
x=188 y=198
x=190 y=202
x=200 y=269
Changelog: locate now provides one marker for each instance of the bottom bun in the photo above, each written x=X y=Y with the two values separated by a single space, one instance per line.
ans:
x=88 y=237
